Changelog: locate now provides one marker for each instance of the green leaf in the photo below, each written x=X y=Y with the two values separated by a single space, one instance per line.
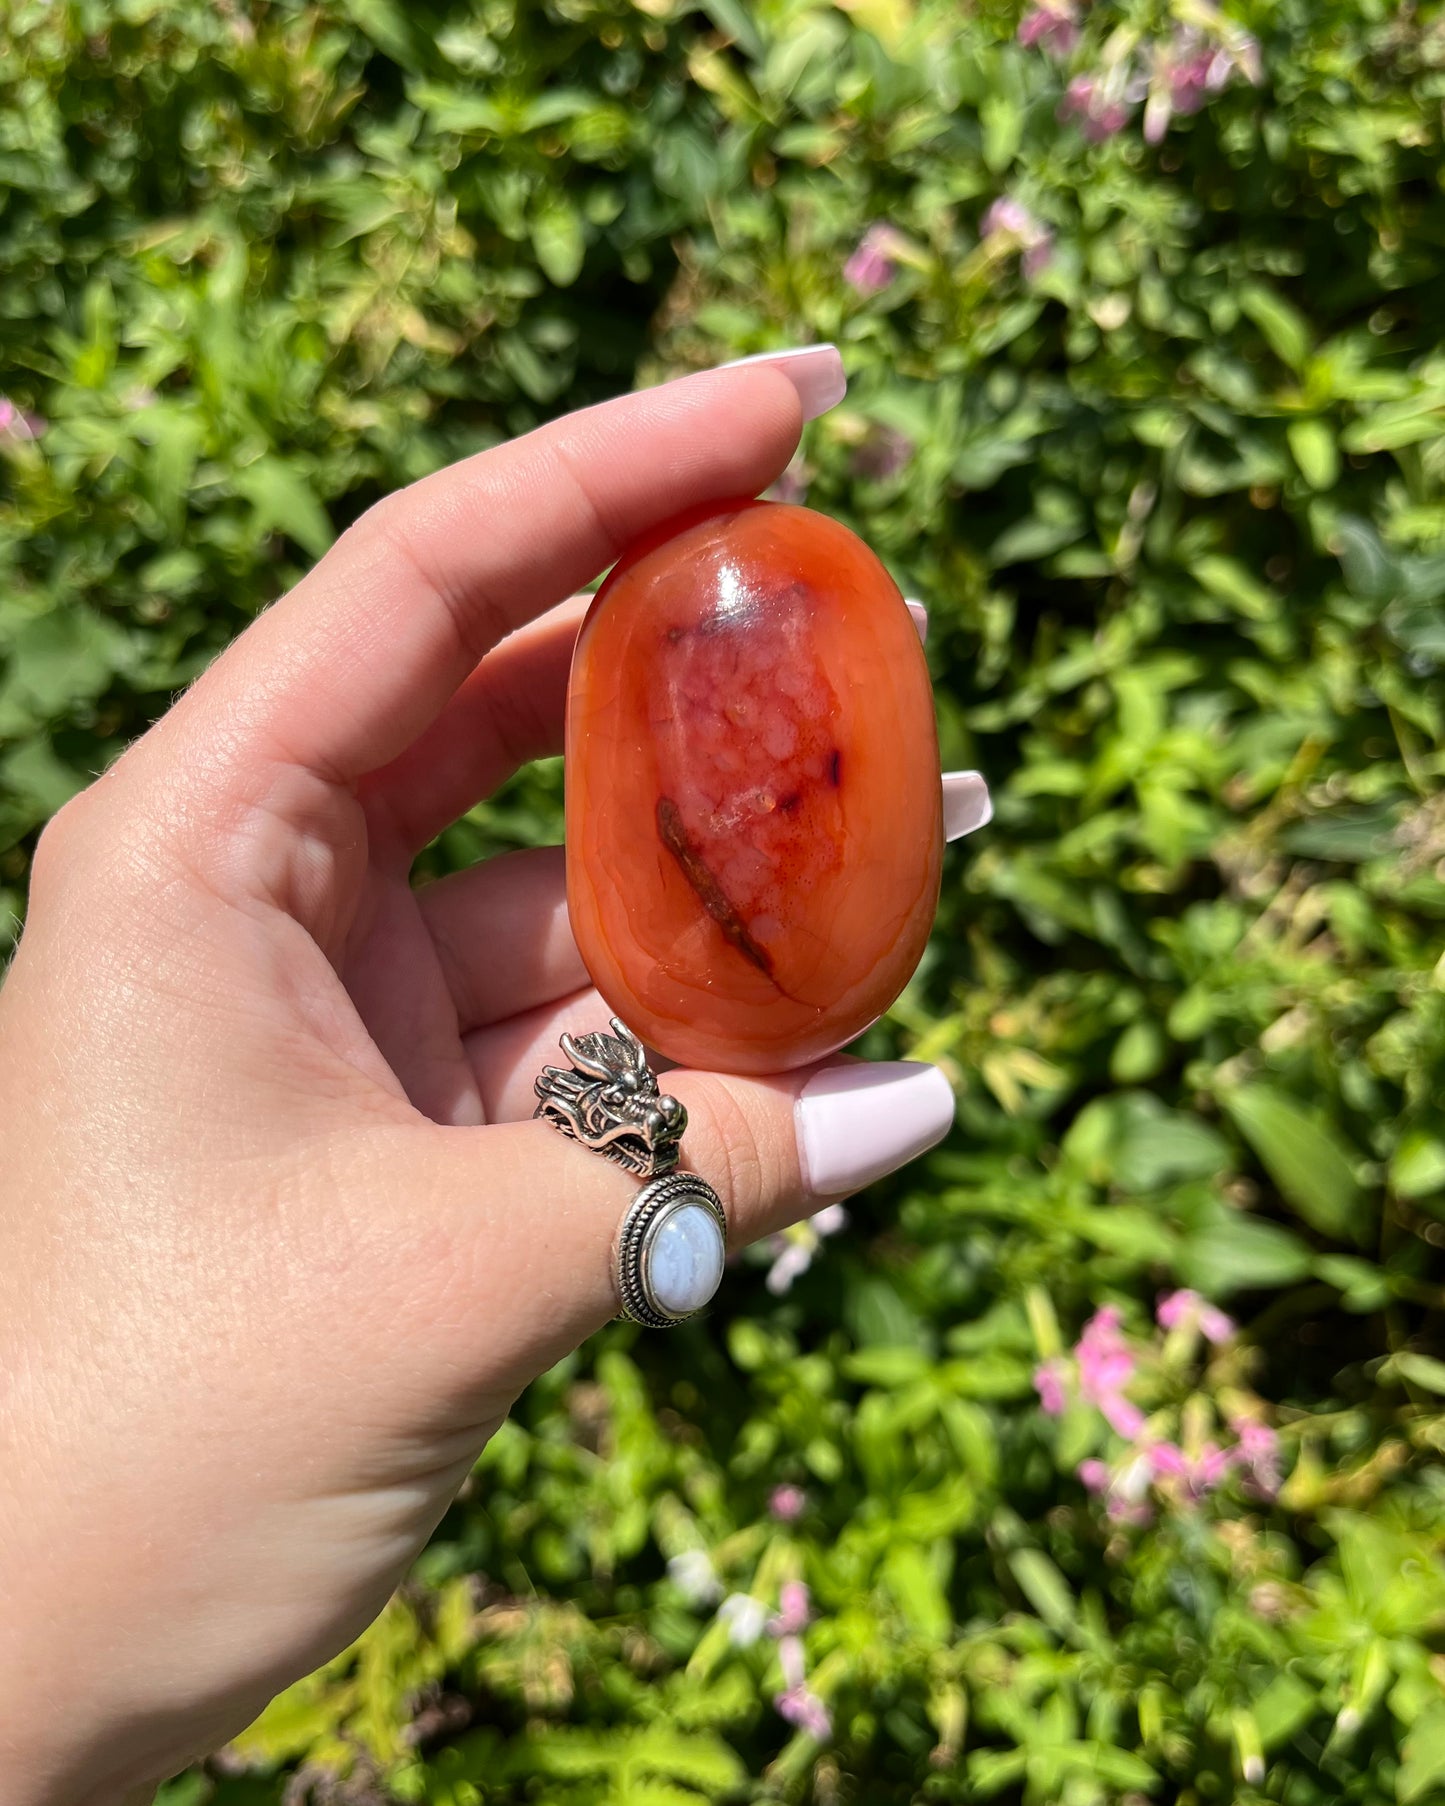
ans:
x=735 y=22
x=1419 y=1370
x=1284 y=327
x=1234 y=585
x=1045 y=1588
x=887 y=1366
x=1423 y=1767
x=1002 y=119
x=880 y=1318
x=1390 y=429
x=1240 y=1252
x=560 y=242
x=284 y=501
x=62 y=658
x=388 y=26
x=1315 y=451
x=698 y=1758
x=1286 y=1706
x=687 y=166
x=1370 y=571
x=39 y=778
x=1310 y=1163
x=912 y=1576
x=1417 y=1167
x=1138 y=1054
x=1364 y=1287
x=1136 y=1142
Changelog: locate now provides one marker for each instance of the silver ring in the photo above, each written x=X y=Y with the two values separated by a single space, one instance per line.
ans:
x=673 y=1240
x=610 y=1102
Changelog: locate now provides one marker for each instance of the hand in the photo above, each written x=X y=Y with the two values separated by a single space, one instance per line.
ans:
x=280 y=1243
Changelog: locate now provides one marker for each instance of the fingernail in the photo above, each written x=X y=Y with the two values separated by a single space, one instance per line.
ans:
x=920 y=617
x=966 y=803
x=857 y=1122
x=815 y=371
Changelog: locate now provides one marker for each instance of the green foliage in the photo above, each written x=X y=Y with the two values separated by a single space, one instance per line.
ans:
x=1176 y=499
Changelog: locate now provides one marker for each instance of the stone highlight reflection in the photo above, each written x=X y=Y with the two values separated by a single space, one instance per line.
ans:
x=754 y=815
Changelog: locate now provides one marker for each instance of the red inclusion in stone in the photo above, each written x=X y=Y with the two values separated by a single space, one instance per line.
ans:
x=754 y=816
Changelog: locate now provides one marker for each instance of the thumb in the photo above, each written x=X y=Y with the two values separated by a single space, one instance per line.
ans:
x=518 y=1258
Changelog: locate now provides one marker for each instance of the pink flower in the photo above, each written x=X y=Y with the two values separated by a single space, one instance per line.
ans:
x=793 y=1250
x=1051 y=26
x=805 y=1710
x=883 y=454
x=1122 y=1416
x=1198 y=1474
x=1049 y=1384
x=873 y=264
x=1106 y=1363
x=1124 y=1489
x=1008 y=215
x=1259 y=1452
x=798 y=1704
x=1168 y=1458
x=1011 y=219
x=1183 y=75
x=1100 y=108
x=1186 y=1307
x=1171 y=1311
x=794 y=1610
x=1208 y=1468
x=1191 y=67
x=9 y=413
x=1257 y=1442
x=787 y=1503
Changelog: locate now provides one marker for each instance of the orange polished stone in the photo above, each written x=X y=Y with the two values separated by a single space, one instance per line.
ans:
x=754 y=815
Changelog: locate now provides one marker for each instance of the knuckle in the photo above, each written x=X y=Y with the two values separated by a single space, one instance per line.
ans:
x=59 y=839
x=729 y=1149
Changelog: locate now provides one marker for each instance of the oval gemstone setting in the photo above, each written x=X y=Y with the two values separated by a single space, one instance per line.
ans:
x=754 y=815
x=682 y=1259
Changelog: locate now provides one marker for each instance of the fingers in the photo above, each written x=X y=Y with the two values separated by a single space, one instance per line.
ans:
x=503 y=938
x=506 y=1056
x=345 y=672
x=521 y=1221
x=509 y=711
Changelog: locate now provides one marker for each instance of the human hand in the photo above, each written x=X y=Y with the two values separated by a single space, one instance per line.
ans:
x=281 y=1242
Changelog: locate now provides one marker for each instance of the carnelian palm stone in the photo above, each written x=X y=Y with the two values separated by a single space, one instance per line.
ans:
x=754 y=816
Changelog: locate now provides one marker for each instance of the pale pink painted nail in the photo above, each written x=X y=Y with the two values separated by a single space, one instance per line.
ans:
x=856 y=1123
x=966 y=803
x=815 y=371
x=920 y=617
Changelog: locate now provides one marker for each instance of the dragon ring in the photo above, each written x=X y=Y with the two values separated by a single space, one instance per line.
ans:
x=673 y=1240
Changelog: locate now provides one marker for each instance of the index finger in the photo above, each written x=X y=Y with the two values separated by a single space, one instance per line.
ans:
x=349 y=668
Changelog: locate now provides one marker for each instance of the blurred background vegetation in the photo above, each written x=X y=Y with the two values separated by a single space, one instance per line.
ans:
x=1142 y=311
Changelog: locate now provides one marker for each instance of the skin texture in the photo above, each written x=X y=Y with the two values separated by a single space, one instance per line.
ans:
x=755 y=687
x=279 y=1242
